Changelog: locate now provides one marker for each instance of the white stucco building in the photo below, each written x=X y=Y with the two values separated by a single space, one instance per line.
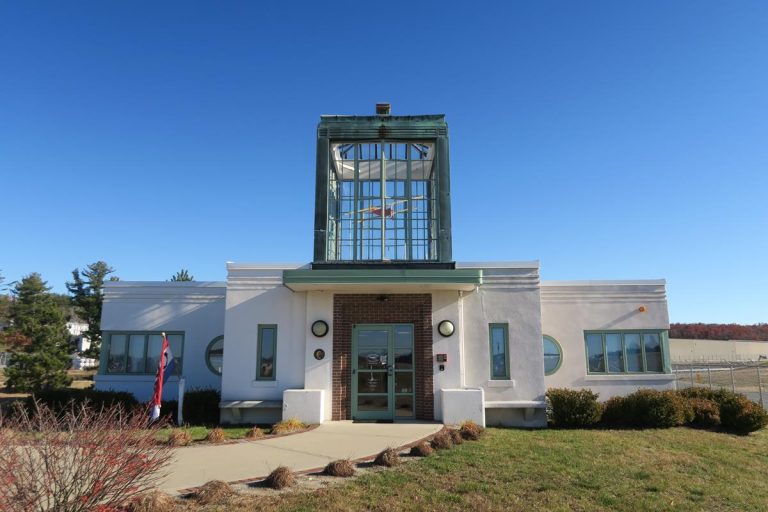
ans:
x=383 y=325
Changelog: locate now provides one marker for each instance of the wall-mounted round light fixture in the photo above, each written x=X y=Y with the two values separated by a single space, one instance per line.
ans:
x=319 y=328
x=446 y=328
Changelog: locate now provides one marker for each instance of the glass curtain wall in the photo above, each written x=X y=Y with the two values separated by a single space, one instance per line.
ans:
x=382 y=216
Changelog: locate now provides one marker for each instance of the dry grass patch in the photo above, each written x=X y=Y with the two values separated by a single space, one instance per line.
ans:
x=288 y=426
x=213 y=492
x=179 y=437
x=471 y=431
x=422 y=449
x=154 y=501
x=216 y=435
x=388 y=458
x=455 y=436
x=280 y=478
x=343 y=468
x=442 y=441
x=254 y=433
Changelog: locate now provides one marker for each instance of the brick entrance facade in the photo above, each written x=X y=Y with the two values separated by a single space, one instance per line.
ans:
x=352 y=309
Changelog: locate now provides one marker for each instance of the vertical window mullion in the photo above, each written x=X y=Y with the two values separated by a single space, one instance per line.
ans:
x=356 y=198
x=624 y=353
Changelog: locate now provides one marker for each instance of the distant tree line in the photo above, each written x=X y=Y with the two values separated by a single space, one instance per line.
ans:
x=756 y=332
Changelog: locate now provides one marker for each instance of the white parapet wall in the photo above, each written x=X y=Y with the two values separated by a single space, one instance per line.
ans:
x=460 y=405
x=306 y=405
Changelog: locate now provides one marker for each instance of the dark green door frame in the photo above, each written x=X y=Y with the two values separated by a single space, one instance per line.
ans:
x=382 y=365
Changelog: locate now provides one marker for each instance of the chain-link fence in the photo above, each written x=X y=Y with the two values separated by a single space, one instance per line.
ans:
x=747 y=377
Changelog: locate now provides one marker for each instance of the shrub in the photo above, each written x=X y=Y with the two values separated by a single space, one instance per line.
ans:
x=154 y=501
x=422 y=450
x=442 y=441
x=471 y=431
x=287 y=426
x=388 y=458
x=96 y=459
x=647 y=408
x=616 y=412
x=170 y=409
x=201 y=407
x=343 y=468
x=740 y=415
x=61 y=400
x=254 y=433
x=179 y=437
x=571 y=408
x=216 y=435
x=706 y=413
x=214 y=491
x=455 y=436
x=280 y=478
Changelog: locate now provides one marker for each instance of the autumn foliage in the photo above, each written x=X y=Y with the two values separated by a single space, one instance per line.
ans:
x=81 y=459
x=757 y=332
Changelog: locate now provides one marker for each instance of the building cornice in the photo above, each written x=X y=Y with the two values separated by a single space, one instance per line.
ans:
x=651 y=290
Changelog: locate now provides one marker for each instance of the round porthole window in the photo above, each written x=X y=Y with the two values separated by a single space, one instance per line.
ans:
x=553 y=355
x=319 y=328
x=214 y=355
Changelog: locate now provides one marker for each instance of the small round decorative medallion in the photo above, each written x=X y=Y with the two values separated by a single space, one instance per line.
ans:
x=319 y=354
x=319 y=328
x=446 y=328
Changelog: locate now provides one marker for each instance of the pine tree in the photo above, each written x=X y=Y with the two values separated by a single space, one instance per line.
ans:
x=87 y=295
x=39 y=338
x=182 y=275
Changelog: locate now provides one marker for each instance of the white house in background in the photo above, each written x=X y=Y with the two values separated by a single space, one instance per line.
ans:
x=76 y=330
x=383 y=325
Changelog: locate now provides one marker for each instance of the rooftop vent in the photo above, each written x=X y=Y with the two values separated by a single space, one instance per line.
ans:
x=383 y=109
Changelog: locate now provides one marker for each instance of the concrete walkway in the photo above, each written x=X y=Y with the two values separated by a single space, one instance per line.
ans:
x=195 y=465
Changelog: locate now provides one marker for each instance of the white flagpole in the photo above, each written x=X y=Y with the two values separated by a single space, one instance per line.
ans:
x=179 y=414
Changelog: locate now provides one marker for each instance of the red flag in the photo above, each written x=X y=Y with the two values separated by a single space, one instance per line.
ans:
x=157 y=396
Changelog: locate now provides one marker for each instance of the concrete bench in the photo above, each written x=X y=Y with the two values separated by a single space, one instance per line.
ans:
x=529 y=406
x=237 y=405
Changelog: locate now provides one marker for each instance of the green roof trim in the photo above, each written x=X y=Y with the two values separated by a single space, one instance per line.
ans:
x=384 y=276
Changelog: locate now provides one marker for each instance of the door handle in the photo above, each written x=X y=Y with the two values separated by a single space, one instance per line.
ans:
x=390 y=369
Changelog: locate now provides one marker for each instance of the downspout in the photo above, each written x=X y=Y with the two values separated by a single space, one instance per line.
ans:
x=462 y=363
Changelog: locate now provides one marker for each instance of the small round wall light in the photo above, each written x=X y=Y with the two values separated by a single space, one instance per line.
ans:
x=319 y=328
x=641 y=309
x=446 y=328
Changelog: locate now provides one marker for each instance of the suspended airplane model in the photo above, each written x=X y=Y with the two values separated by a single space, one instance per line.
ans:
x=388 y=212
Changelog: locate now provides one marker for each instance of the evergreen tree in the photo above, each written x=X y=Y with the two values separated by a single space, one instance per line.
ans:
x=4 y=306
x=182 y=275
x=38 y=337
x=87 y=295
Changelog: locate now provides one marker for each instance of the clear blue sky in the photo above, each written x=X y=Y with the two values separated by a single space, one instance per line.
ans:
x=610 y=140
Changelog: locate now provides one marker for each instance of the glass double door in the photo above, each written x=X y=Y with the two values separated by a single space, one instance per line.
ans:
x=382 y=372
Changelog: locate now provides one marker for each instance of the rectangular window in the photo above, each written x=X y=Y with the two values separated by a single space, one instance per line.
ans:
x=266 y=356
x=499 y=345
x=139 y=352
x=625 y=351
x=136 y=360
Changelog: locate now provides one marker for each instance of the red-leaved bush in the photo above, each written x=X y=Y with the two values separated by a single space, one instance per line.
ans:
x=80 y=459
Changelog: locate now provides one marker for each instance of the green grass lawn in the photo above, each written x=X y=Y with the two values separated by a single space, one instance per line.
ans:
x=588 y=470
x=199 y=433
